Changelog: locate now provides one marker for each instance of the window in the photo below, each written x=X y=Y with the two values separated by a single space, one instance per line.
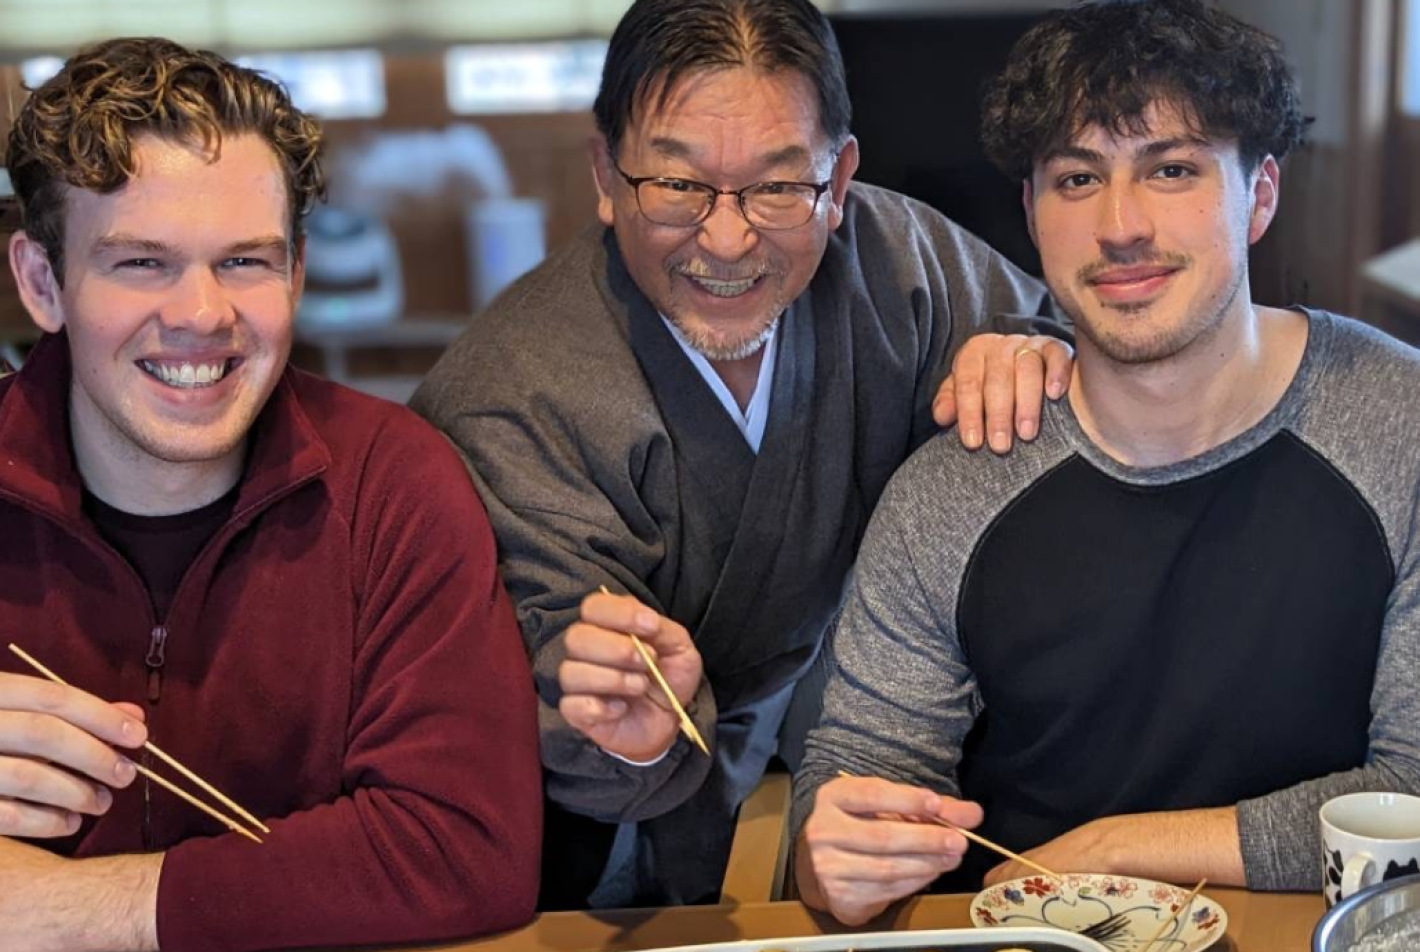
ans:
x=524 y=77
x=343 y=84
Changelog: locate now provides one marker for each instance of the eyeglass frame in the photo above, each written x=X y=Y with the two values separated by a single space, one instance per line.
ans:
x=636 y=182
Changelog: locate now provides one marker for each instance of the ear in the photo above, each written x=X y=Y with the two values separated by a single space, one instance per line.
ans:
x=843 y=172
x=1028 y=203
x=1266 y=193
x=604 y=175
x=38 y=287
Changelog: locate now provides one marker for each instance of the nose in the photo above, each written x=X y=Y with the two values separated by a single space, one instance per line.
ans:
x=199 y=303
x=1125 y=218
x=726 y=234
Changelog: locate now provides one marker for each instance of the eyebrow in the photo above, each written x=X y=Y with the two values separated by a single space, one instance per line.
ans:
x=1149 y=150
x=121 y=242
x=676 y=149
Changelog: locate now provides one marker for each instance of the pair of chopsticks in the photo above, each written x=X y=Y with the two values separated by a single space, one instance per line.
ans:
x=687 y=726
x=168 y=785
x=979 y=840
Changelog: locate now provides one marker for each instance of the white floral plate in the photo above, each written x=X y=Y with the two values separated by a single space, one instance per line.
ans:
x=1086 y=898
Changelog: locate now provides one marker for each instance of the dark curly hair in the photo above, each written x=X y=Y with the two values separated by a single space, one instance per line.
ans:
x=1103 y=63
x=78 y=129
x=659 y=41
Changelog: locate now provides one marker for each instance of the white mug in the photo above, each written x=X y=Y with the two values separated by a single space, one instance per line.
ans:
x=1367 y=838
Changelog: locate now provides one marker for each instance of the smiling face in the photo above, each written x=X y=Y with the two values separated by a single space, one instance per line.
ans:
x=1144 y=239
x=724 y=283
x=179 y=295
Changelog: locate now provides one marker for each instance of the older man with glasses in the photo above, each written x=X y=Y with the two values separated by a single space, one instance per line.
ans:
x=696 y=405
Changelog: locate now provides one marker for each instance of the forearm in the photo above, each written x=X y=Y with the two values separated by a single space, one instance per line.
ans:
x=378 y=867
x=93 y=905
x=1179 y=846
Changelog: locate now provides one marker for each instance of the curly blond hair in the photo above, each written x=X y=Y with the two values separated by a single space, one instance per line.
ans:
x=78 y=129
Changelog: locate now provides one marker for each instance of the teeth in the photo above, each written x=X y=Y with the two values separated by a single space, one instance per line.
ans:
x=723 y=288
x=186 y=376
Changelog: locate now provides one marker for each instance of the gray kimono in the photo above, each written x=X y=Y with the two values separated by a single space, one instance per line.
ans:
x=604 y=458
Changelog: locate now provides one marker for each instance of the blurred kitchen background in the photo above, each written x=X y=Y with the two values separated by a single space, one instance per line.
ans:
x=458 y=137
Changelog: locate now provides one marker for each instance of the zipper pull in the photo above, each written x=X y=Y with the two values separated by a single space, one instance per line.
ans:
x=156 y=658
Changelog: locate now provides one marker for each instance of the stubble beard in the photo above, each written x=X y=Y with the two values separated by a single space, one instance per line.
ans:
x=1167 y=343
x=704 y=340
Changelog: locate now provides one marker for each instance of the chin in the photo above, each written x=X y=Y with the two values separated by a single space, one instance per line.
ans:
x=717 y=344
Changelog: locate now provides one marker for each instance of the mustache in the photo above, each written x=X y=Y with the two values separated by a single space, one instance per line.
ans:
x=696 y=268
x=1163 y=259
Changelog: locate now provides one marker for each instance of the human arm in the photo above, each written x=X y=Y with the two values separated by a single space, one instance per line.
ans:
x=899 y=702
x=436 y=831
x=571 y=489
x=1267 y=842
x=52 y=904
x=987 y=312
x=1178 y=846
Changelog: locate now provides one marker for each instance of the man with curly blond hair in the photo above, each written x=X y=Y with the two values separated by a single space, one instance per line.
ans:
x=290 y=587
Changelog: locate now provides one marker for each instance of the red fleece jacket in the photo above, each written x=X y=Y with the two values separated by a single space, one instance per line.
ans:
x=341 y=659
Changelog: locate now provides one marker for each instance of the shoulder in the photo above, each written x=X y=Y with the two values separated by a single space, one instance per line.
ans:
x=945 y=497
x=1358 y=411
x=360 y=430
x=551 y=339
x=1360 y=377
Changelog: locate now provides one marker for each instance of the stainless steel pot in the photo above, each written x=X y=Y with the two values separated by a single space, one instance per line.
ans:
x=1351 y=919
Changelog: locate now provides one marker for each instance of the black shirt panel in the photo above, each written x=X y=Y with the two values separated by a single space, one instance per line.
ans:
x=1168 y=647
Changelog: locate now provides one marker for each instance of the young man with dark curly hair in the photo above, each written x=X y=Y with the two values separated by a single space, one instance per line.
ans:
x=289 y=587
x=1221 y=522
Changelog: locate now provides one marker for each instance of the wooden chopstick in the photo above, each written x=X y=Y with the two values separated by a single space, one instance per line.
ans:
x=171 y=762
x=981 y=841
x=687 y=726
x=1188 y=901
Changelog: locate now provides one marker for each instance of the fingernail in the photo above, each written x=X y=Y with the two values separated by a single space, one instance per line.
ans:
x=1055 y=389
x=105 y=799
x=636 y=682
x=123 y=770
x=1000 y=441
x=971 y=438
x=616 y=708
x=646 y=621
x=1027 y=429
x=931 y=803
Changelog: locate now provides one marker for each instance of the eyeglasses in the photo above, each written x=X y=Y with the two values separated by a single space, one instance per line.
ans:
x=683 y=203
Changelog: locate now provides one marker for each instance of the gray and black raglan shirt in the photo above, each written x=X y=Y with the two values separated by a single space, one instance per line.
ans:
x=1061 y=637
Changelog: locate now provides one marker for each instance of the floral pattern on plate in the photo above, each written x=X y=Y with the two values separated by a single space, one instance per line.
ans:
x=1083 y=899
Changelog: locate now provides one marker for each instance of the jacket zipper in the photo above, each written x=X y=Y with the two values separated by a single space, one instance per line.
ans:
x=157 y=656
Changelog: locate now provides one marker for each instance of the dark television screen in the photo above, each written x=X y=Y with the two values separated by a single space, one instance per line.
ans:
x=916 y=84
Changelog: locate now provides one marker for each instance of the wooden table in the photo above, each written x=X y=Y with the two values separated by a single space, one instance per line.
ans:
x=1257 y=922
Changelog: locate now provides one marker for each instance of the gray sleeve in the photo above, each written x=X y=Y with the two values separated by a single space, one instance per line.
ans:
x=1280 y=831
x=1362 y=418
x=549 y=494
x=900 y=697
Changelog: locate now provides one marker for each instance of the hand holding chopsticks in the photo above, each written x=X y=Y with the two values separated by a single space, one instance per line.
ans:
x=687 y=726
x=166 y=784
x=979 y=840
